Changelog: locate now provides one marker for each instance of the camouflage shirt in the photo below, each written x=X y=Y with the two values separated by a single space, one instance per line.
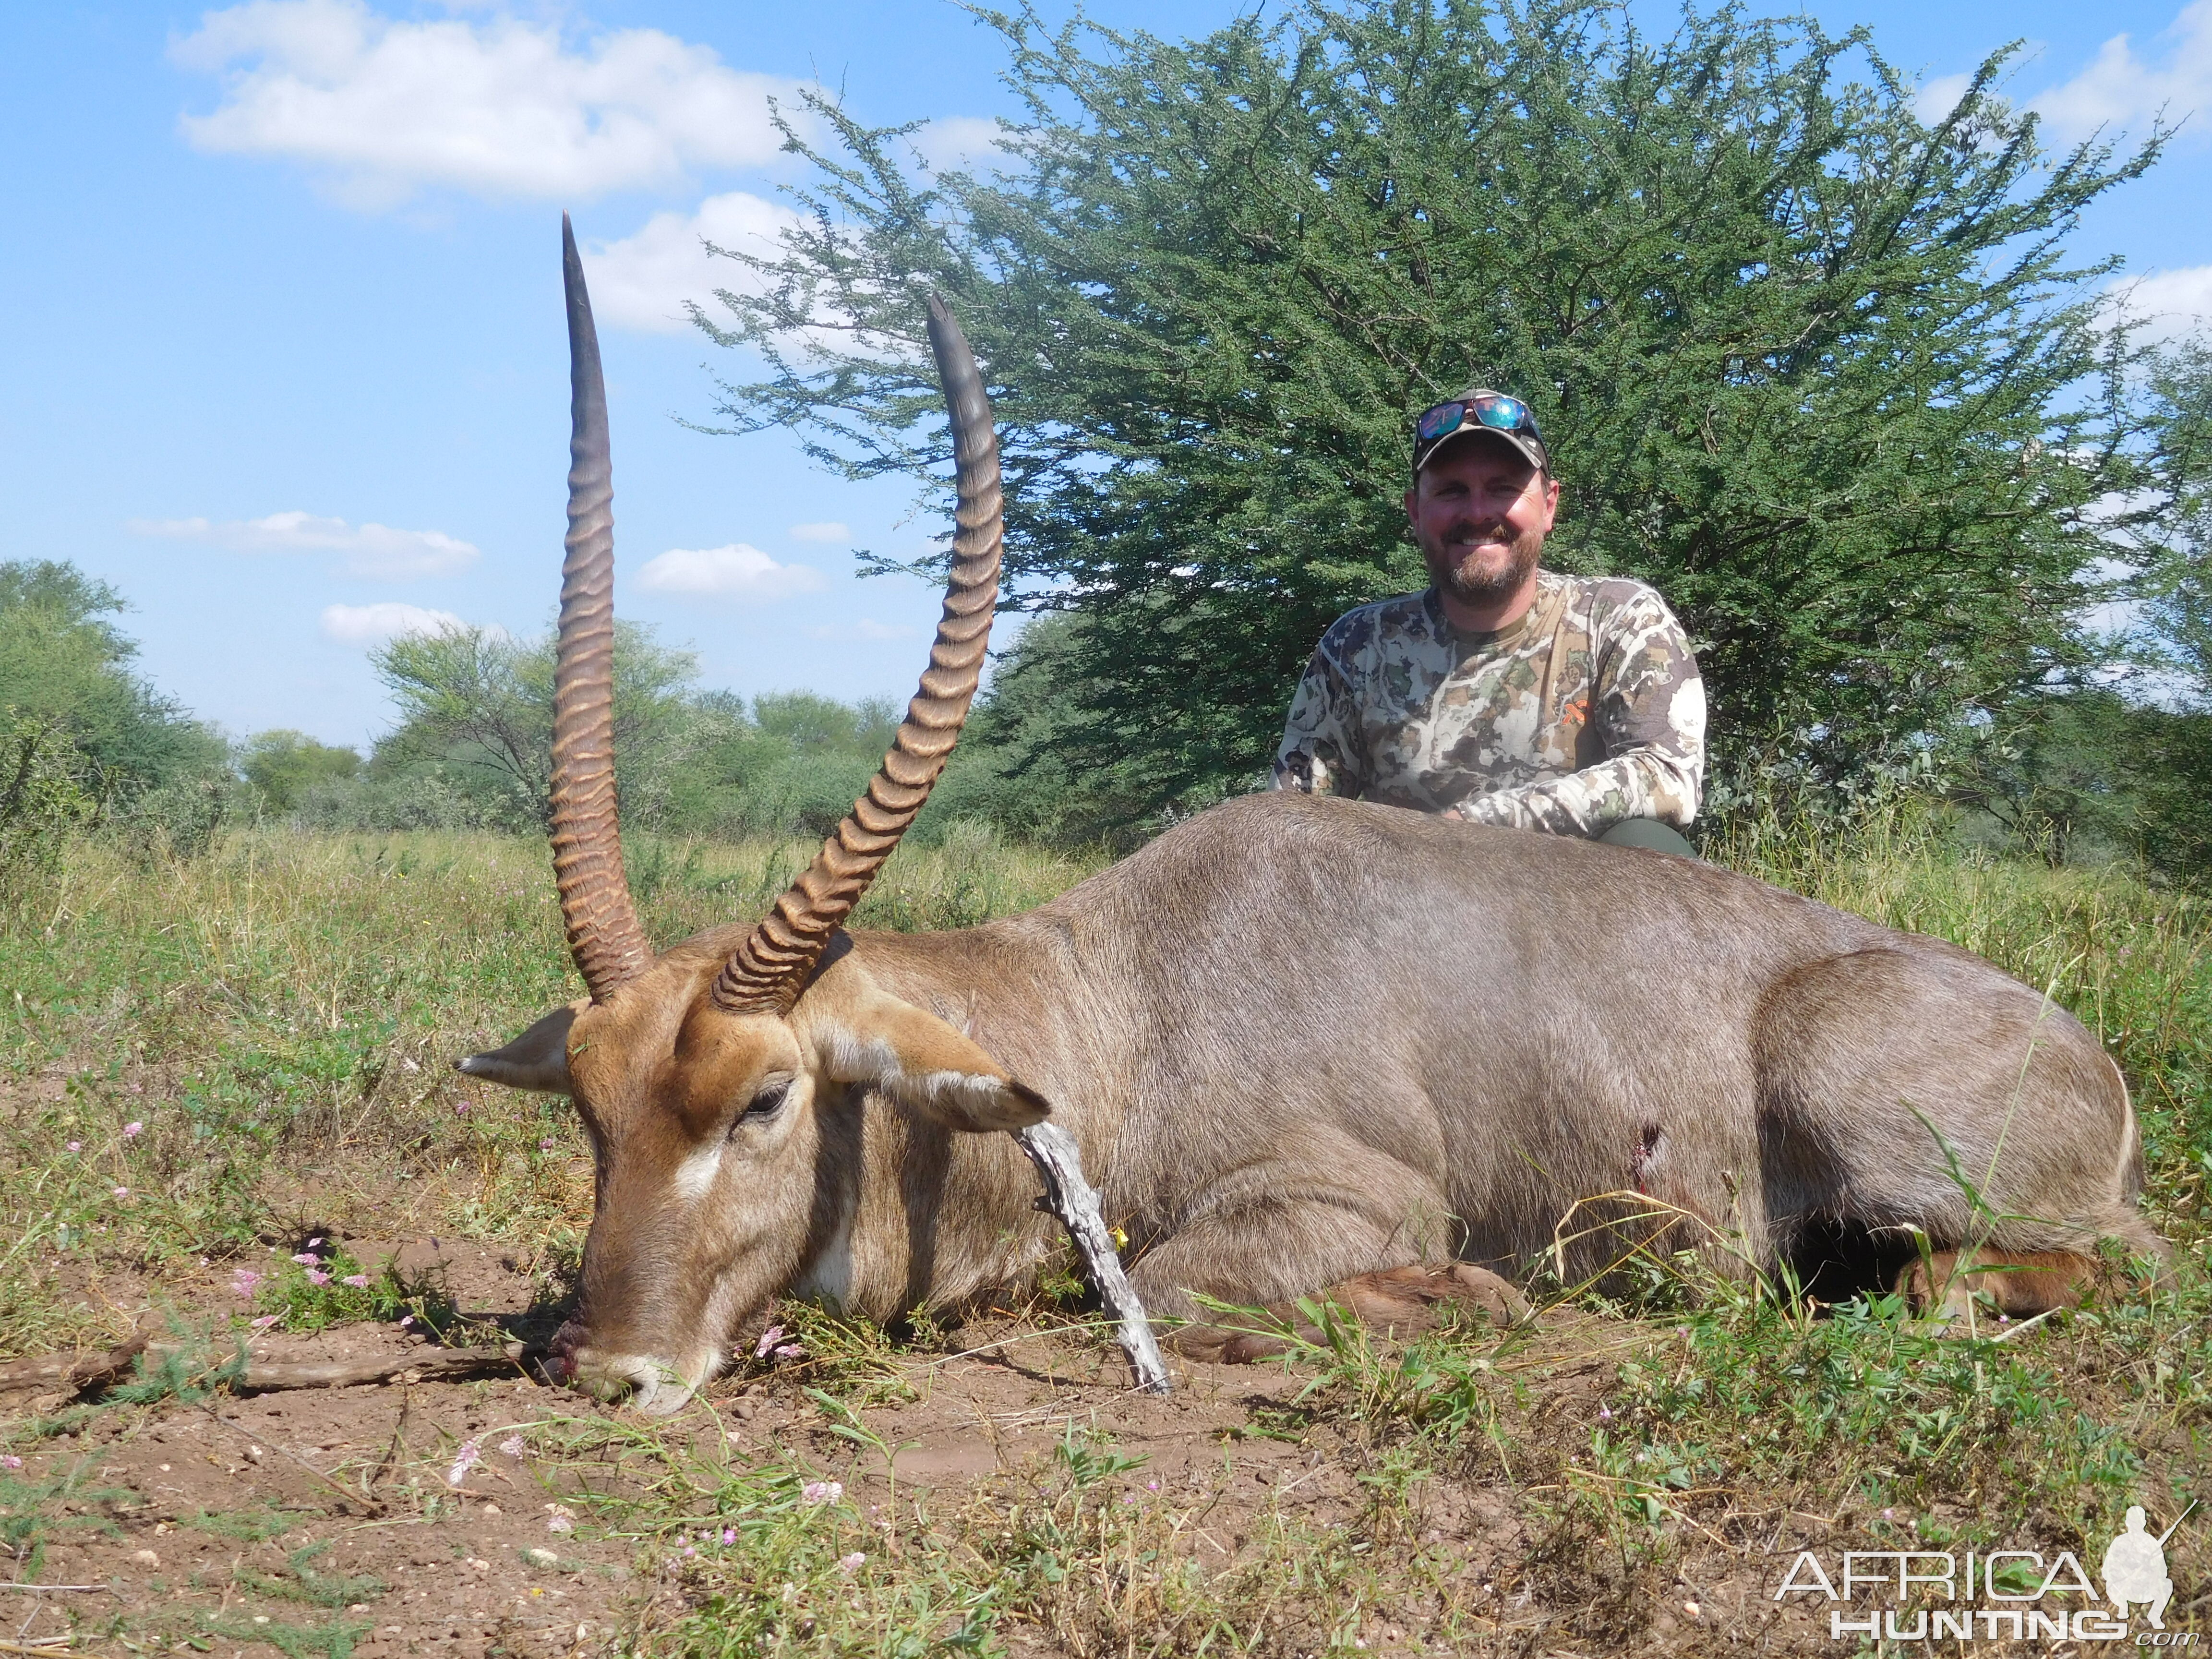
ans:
x=1586 y=711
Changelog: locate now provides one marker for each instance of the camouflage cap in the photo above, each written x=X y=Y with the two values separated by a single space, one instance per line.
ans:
x=1480 y=412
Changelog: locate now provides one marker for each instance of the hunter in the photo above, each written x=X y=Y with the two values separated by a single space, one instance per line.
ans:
x=1505 y=693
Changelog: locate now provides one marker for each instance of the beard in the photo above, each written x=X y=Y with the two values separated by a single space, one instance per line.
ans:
x=1456 y=572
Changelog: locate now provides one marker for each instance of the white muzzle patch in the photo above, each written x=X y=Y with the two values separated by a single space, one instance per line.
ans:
x=655 y=1387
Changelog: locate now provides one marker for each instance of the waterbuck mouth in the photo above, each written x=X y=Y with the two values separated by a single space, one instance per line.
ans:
x=655 y=1387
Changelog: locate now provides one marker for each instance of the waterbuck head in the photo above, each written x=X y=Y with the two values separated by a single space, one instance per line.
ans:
x=698 y=1071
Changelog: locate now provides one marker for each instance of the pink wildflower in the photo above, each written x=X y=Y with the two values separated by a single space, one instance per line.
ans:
x=316 y=1276
x=11 y=1462
x=76 y=1145
x=1605 y=1413
x=132 y=1131
x=729 y=1536
x=264 y=1321
x=563 y=1518
x=123 y=1192
x=308 y=1259
x=359 y=1281
x=405 y=1320
x=849 y=1564
x=546 y=1144
x=469 y=1456
x=768 y=1339
x=243 y=1282
x=513 y=1445
x=822 y=1491
x=790 y=1351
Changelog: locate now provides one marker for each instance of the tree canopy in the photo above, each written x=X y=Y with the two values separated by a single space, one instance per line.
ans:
x=1820 y=371
x=282 y=765
x=479 y=702
x=66 y=670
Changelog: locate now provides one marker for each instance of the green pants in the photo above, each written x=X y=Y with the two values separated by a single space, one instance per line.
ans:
x=1648 y=832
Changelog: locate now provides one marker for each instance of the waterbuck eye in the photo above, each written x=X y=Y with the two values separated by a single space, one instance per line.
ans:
x=767 y=1102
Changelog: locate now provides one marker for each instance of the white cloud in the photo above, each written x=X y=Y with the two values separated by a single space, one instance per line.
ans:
x=503 y=106
x=2121 y=90
x=642 y=281
x=736 y=570
x=374 y=624
x=1940 y=97
x=828 y=531
x=2167 y=303
x=368 y=550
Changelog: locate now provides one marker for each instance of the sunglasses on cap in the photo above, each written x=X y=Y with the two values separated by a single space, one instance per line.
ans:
x=1493 y=409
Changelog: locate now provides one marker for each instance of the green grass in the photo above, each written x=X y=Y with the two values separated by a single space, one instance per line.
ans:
x=278 y=1019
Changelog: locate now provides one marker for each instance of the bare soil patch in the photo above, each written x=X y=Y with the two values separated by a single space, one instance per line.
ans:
x=503 y=1517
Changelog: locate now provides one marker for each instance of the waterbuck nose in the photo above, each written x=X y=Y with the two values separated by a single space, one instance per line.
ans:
x=655 y=1386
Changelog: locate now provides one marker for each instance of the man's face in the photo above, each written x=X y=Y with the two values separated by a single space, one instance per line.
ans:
x=1481 y=513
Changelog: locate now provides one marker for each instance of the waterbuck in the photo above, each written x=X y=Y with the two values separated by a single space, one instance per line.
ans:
x=1302 y=1044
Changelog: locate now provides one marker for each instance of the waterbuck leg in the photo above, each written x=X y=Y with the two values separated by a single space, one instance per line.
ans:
x=1075 y=1202
x=2021 y=1284
x=1272 y=1234
x=1398 y=1301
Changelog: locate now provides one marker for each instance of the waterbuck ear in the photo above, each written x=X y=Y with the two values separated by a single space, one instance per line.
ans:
x=537 y=1060
x=925 y=1064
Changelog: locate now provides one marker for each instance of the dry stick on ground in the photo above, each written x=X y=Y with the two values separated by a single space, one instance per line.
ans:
x=99 y=1589
x=1075 y=1202
x=81 y=1373
x=398 y=1438
x=59 y=1644
x=253 y=1441
x=75 y=1373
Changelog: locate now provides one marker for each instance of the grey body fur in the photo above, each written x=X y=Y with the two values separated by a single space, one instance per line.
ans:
x=1303 y=1039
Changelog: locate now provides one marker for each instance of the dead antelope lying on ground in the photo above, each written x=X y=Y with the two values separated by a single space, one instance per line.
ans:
x=1302 y=1044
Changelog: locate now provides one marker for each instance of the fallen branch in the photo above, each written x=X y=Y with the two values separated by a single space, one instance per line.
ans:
x=107 y=1590
x=71 y=1373
x=86 y=1374
x=262 y=1378
x=1075 y=1202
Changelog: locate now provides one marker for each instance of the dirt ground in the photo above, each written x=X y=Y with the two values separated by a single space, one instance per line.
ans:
x=324 y=1522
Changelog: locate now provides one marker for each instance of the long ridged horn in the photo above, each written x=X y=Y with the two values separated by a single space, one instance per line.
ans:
x=764 y=974
x=604 y=934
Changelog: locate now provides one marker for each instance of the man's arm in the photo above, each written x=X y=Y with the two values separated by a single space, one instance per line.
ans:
x=1323 y=750
x=1648 y=705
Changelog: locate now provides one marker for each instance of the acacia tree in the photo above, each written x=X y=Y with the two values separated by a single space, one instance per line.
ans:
x=477 y=699
x=1808 y=364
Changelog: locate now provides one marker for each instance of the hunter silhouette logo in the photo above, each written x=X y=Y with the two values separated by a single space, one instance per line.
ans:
x=2135 y=1569
x=2007 y=1594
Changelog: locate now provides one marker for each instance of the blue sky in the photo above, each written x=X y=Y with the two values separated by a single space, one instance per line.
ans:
x=283 y=335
